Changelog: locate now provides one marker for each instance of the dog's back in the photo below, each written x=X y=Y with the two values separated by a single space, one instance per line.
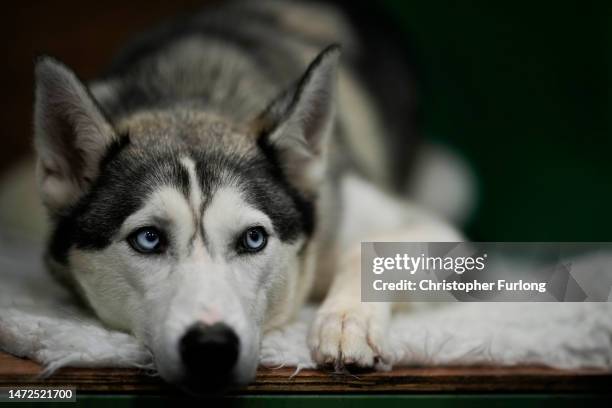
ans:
x=234 y=59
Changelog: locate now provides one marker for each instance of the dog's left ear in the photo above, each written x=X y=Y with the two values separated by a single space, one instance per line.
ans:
x=296 y=126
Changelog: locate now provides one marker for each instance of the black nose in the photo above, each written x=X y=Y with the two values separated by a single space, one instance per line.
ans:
x=209 y=354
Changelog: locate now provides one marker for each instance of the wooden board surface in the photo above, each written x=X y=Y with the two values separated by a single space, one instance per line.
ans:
x=19 y=372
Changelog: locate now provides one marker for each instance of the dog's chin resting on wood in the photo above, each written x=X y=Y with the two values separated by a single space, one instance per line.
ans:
x=224 y=169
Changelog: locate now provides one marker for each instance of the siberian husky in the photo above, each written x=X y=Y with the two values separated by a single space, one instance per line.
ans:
x=223 y=171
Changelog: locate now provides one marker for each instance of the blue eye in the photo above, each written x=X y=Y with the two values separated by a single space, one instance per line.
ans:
x=254 y=239
x=147 y=240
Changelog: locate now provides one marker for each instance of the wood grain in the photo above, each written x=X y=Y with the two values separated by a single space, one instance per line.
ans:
x=19 y=372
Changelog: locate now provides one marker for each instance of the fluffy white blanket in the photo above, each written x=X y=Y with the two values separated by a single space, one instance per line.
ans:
x=39 y=320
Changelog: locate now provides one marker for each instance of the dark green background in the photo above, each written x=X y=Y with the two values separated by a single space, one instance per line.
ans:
x=522 y=90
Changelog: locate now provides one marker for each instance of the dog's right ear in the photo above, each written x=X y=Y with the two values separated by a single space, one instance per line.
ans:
x=71 y=135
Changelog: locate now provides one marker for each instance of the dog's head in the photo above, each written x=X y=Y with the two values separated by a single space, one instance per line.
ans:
x=179 y=226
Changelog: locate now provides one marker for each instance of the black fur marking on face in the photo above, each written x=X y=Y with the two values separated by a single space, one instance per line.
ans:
x=263 y=186
x=305 y=206
x=126 y=179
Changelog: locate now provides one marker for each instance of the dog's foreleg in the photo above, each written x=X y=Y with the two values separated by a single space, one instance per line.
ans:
x=347 y=331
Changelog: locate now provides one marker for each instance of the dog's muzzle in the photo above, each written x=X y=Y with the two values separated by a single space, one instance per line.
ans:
x=209 y=354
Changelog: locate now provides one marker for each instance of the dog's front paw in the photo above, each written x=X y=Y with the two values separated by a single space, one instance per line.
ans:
x=349 y=339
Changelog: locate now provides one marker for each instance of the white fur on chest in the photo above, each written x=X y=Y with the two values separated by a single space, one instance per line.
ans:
x=368 y=213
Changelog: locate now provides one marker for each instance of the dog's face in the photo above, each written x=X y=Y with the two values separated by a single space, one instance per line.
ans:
x=185 y=229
